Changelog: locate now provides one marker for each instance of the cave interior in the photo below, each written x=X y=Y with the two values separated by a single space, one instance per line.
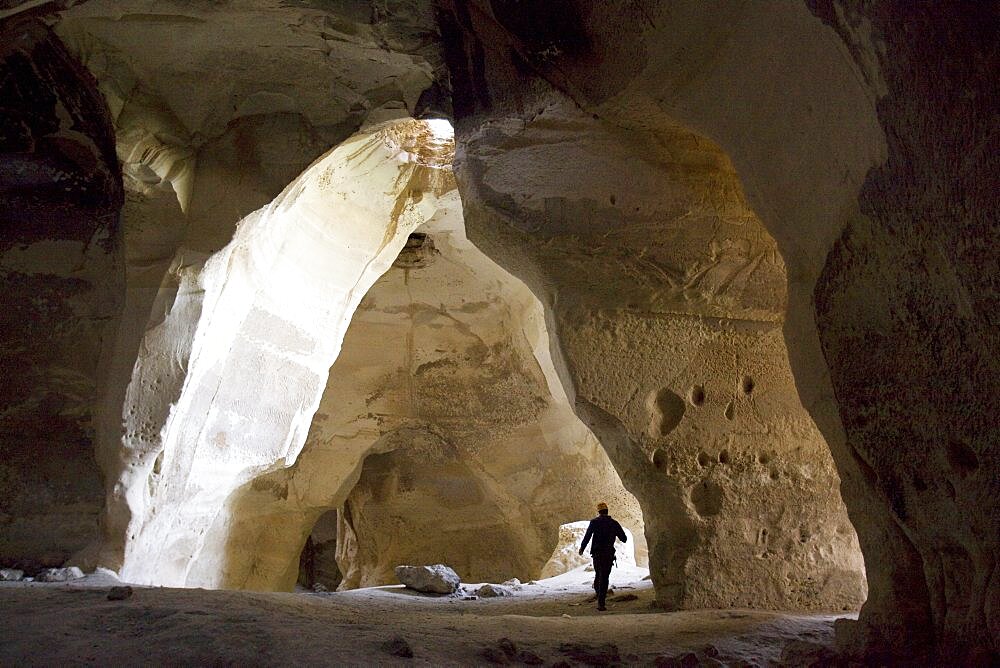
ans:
x=300 y=291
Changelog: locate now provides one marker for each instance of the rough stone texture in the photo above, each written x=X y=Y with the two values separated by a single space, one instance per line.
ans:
x=208 y=131
x=11 y=574
x=61 y=192
x=892 y=255
x=864 y=138
x=204 y=139
x=493 y=591
x=449 y=441
x=398 y=647
x=228 y=378
x=926 y=352
x=667 y=295
x=318 y=565
x=436 y=579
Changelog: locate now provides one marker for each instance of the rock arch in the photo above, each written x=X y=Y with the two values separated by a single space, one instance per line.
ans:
x=201 y=413
x=827 y=112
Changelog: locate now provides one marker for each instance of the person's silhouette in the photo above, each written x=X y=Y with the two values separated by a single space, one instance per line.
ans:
x=603 y=529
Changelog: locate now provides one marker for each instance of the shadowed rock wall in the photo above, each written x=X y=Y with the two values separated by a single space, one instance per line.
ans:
x=907 y=313
x=442 y=432
x=666 y=296
x=868 y=150
x=61 y=279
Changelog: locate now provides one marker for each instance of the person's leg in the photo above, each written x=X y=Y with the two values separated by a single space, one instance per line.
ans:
x=602 y=571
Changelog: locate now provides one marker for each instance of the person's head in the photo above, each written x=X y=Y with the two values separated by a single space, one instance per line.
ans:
x=602 y=508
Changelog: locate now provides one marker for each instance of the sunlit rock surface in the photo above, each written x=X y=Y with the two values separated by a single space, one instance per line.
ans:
x=443 y=433
x=207 y=131
x=229 y=376
x=862 y=134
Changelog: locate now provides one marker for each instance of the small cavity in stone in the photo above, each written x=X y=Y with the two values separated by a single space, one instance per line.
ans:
x=660 y=459
x=706 y=497
x=665 y=412
x=697 y=395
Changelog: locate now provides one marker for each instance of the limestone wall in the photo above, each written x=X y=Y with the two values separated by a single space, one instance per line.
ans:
x=667 y=297
x=227 y=382
x=61 y=280
x=676 y=181
x=852 y=127
x=206 y=134
x=443 y=433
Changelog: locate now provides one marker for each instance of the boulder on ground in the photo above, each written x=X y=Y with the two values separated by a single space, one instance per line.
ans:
x=59 y=574
x=435 y=579
x=494 y=591
x=10 y=574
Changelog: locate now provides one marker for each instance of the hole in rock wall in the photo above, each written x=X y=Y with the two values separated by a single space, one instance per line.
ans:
x=318 y=568
x=666 y=410
x=417 y=253
x=707 y=498
x=661 y=459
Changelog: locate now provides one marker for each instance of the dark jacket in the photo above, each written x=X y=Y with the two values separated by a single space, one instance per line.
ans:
x=603 y=529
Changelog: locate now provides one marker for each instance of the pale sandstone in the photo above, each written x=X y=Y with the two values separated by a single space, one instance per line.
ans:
x=846 y=124
x=436 y=579
x=863 y=138
x=668 y=326
x=450 y=441
x=271 y=307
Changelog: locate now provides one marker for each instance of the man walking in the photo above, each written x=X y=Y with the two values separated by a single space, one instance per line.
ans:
x=603 y=529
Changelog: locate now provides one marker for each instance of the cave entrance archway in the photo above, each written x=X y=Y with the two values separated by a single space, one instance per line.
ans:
x=825 y=109
x=229 y=376
x=221 y=487
x=666 y=298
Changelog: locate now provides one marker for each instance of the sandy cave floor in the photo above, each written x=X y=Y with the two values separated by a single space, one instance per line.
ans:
x=75 y=624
